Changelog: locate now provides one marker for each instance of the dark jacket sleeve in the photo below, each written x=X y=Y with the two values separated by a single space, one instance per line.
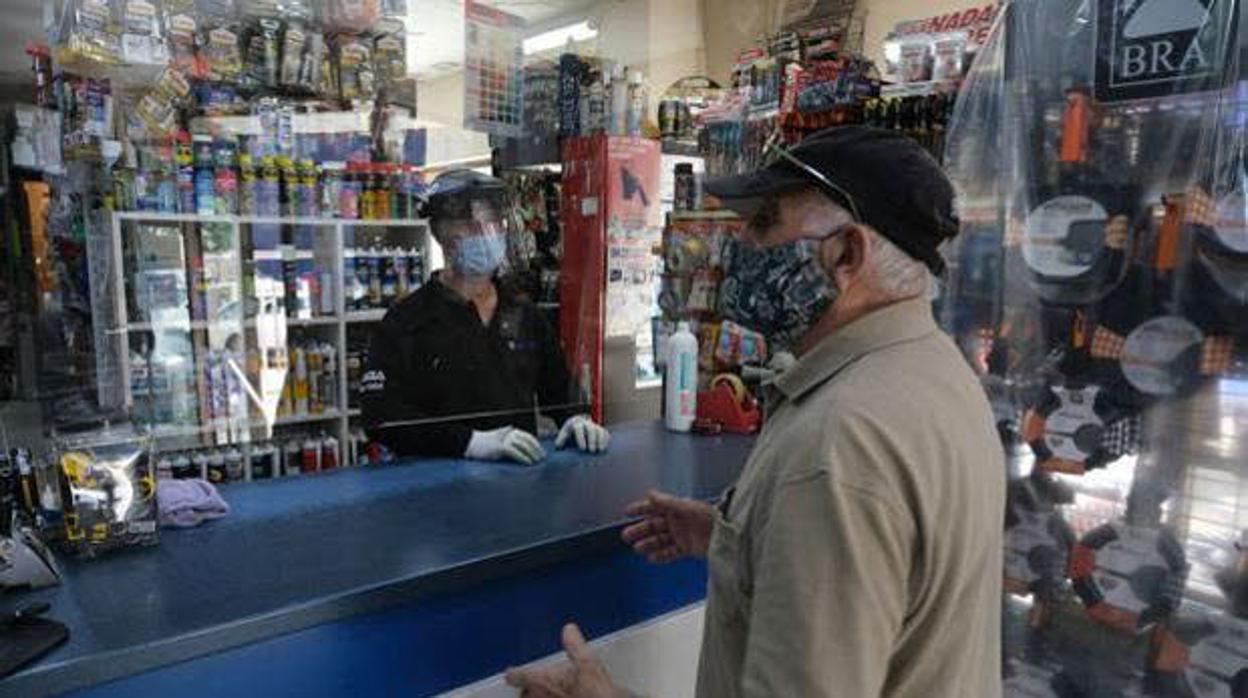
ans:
x=557 y=393
x=393 y=413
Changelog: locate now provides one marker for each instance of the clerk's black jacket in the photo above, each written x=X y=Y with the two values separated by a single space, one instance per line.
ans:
x=435 y=373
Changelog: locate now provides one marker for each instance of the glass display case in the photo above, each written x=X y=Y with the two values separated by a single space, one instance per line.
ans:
x=1100 y=289
x=242 y=334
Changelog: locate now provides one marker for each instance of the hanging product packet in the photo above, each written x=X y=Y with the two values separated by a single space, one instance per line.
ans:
x=223 y=59
x=390 y=52
x=294 y=41
x=108 y=483
x=157 y=110
x=182 y=28
x=263 y=66
x=355 y=69
x=87 y=34
x=142 y=38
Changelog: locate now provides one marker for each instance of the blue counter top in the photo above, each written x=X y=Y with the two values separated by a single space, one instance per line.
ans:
x=296 y=553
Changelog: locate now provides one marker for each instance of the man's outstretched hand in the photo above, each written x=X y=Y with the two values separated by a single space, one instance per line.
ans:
x=671 y=528
x=582 y=676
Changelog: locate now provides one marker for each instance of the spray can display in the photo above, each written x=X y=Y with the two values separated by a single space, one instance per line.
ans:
x=306 y=203
x=350 y=282
x=246 y=185
x=300 y=390
x=216 y=468
x=637 y=101
x=184 y=160
x=331 y=189
x=315 y=368
x=364 y=275
x=199 y=465
x=234 y=465
x=375 y=295
x=349 y=196
x=389 y=277
x=269 y=188
x=329 y=377
x=402 y=278
x=311 y=459
x=225 y=180
x=205 y=184
x=329 y=453
x=183 y=468
x=292 y=458
x=289 y=186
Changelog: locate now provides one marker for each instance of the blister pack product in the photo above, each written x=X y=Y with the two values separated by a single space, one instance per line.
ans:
x=87 y=34
x=263 y=67
x=356 y=75
x=108 y=480
x=294 y=41
x=390 y=53
x=182 y=28
x=223 y=57
x=143 y=34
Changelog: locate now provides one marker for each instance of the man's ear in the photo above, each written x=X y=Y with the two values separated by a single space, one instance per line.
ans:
x=845 y=254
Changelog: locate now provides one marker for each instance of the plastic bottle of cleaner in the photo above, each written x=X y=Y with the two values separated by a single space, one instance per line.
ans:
x=619 y=101
x=681 y=391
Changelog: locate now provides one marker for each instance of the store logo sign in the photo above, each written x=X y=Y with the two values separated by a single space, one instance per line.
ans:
x=1155 y=48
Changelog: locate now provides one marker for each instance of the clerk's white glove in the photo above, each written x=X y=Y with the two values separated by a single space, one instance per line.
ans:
x=590 y=437
x=507 y=443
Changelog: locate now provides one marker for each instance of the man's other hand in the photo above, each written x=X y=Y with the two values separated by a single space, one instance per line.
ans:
x=670 y=528
x=582 y=676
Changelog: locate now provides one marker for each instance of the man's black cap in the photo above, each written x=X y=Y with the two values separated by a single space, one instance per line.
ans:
x=896 y=186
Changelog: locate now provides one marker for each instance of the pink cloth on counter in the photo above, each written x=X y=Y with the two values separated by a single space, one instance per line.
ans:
x=186 y=503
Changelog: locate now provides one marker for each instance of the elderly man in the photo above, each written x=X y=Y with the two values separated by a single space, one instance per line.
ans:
x=859 y=553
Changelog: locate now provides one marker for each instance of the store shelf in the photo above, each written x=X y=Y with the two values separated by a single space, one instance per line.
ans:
x=155 y=217
x=199 y=325
x=289 y=420
x=362 y=316
x=281 y=255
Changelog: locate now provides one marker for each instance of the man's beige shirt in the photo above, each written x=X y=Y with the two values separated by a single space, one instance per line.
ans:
x=859 y=554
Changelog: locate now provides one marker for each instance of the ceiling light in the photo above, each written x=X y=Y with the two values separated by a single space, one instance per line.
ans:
x=557 y=38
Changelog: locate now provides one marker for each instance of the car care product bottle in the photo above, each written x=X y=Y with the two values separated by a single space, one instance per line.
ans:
x=681 y=390
x=637 y=101
x=618 y=125
x=329 y=452
x=300 y=390
x=311 y=461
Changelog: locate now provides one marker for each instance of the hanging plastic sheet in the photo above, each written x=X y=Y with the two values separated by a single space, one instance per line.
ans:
x=1100 y=286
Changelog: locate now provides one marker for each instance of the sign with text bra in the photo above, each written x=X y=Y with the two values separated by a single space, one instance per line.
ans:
x=1158 y=48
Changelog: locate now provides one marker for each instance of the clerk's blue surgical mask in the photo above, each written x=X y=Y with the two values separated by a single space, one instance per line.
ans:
x=479 y=255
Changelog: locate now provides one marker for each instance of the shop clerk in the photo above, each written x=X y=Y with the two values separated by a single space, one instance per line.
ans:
x=461 y=367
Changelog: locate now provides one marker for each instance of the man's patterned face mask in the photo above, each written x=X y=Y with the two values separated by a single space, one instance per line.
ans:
x=778 y=291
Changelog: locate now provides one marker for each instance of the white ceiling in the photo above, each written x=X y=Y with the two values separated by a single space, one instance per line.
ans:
x=436 y=30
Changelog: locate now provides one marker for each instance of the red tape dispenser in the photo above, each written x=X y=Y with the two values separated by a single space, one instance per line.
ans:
x=727 y=406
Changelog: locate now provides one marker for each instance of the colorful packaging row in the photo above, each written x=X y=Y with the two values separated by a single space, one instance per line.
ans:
x=205 y=176
x=377 y=278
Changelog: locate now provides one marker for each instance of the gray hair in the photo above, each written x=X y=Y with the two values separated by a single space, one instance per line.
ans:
x=895 y=274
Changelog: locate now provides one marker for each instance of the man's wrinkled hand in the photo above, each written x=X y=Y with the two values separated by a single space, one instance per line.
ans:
x=671 y=528
x=582 y=676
